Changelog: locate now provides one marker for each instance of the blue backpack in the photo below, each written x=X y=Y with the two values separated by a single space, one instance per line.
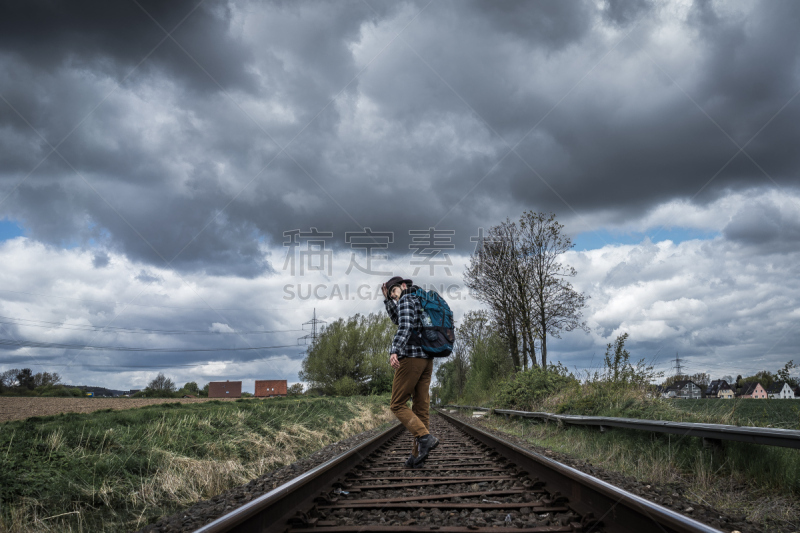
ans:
x=438 y=331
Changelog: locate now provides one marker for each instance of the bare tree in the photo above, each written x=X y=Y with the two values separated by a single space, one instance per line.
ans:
x=493 y=278
x=8 y=378
x=556 y=305
x=162 y=383
x=518 y=273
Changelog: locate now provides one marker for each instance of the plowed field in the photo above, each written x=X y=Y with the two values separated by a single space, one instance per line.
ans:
x=20 y=408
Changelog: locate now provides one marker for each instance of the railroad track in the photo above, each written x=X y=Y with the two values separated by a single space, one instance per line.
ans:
x=472 y=482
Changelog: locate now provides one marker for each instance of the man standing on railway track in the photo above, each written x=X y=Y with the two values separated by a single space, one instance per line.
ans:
x=413 y=368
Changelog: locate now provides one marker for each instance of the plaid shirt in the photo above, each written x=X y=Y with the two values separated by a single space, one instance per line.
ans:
x=407 y=314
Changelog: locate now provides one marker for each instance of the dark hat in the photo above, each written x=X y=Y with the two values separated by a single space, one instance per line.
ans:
x=397 y=280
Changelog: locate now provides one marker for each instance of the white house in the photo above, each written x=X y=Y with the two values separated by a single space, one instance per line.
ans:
x=683 y=389
x=781 y=391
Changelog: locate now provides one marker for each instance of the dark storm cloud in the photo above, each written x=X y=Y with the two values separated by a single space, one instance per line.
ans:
x=764 y=227
x=182 y=164
x=624 y=12
x=113 y=37
x=550 y=23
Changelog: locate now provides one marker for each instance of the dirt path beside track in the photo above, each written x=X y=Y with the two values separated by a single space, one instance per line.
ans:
x=21 y=408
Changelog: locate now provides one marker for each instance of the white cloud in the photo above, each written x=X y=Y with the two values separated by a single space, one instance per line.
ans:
x=727 y=309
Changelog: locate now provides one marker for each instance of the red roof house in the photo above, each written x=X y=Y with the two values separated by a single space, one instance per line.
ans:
x=753 y=390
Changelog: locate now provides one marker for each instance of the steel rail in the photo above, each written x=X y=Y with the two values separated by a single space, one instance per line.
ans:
x=786 y=438
x=602 y=505
x=620 y=511
x=270 y=512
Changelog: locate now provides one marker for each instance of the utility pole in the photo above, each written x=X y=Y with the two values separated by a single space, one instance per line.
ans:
x=313 y=323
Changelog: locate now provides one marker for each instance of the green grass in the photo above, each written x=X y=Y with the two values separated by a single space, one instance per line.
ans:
x=784 y=414
x=119 y=470
x=604 y=399
x=760 y=482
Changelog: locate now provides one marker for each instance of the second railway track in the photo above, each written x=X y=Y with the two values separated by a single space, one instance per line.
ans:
x=472 y=482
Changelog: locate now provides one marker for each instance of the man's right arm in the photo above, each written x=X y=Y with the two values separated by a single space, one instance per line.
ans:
x=391 y=308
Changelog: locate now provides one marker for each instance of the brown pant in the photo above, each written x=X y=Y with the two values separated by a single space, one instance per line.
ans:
x=413 y=378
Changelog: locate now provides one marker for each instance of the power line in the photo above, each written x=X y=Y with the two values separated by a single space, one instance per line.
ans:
x=181 y=365
x=87 y=327
x=36 y=344
x=146 y=305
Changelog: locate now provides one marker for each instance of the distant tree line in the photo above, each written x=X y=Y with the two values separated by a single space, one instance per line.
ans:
x=23 y=382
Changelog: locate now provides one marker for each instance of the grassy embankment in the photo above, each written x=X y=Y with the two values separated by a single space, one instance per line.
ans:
x=759 y=482
x=120 y=470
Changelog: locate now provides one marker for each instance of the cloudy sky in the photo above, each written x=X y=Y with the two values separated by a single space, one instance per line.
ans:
x=188 y=180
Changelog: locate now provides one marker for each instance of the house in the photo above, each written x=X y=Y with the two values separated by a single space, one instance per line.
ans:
x=225 y=389
x=726 y=394
x=662 y=392
x=719 y=388
x=270 y=387
x=684 y=388
x=752 y=390
x=780 y=391
x=712 y=391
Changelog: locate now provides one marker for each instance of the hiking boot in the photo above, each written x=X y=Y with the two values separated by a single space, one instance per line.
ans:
x=411 y=461
x=426 y=444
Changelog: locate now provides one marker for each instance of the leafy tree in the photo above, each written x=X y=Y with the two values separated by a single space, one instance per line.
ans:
x=619 y=369
x=204 y=391
x=161 y=383
x=295 y=389
x=489 y=363
x=701 y=379
x=480 y=356
x=351 y=357
x=191 y=388
x=764 y=377
x=783 y=374
x=44 y=379
x=25 y=379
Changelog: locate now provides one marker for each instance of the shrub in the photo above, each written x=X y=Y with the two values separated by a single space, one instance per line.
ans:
x=345 y=386
x=295 y=389
x=526 y=388
x=50 y=391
